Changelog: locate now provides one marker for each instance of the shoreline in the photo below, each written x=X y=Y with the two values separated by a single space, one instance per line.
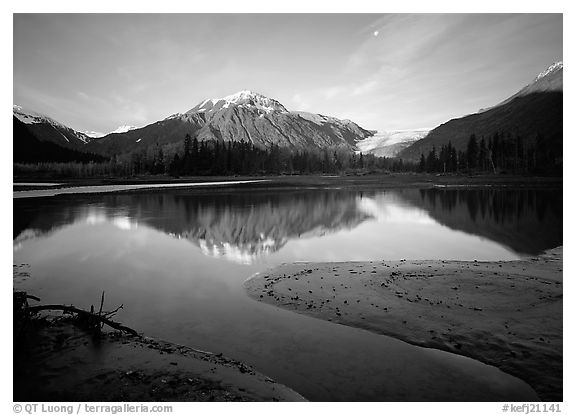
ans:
x=344 y=180
x=27 y=188
x=507 y=314
x=62 y=362
x=55 y=191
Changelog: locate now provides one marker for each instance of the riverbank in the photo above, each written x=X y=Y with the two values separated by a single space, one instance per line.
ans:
x=56 y=190
x=61 y=362
x=505 y=314
x=315 y=180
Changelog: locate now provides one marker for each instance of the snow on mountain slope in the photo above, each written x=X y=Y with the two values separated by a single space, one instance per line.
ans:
x=390 y=143
x=555 y=67
x=30 y=117
x=123 y=129
x=119 y=130
x=244 y=99
x=256 y=119
x=244 y=116
x=58 y=131
x=549 y=80
x=93 y=134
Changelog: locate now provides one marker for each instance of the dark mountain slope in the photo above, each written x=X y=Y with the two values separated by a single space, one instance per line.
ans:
x=526 y=116
x=163 y=132
x=29 y=149
x=46 y=129
x=535 y=110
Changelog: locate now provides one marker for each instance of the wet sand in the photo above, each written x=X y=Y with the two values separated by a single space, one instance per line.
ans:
x=61 y=362
x=505 y=314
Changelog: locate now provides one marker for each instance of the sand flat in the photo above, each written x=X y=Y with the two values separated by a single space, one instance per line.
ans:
x=506 y=314
x=61 y=362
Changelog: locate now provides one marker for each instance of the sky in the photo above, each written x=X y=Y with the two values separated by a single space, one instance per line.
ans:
x=95 y=72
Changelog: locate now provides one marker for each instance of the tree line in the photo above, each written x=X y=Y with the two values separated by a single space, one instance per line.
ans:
x=215 y=158
x=243 y=158
x=500 y=153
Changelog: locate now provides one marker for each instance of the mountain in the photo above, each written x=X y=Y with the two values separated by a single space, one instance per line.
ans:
x=535 y=110
x=93 y=134
x=245 y=99
x=27 y=148
x=390 y=143
x=121 y=129
x=39 y=138
x=45 y=129
x=549 y=80
x=247 y=116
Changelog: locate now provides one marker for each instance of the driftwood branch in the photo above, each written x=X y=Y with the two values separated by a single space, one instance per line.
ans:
x=101 y=304
x=84 y=313
x=109 y=314
x=100 y=325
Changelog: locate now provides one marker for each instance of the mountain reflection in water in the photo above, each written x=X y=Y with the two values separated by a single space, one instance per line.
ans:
x=242 y=226
x=527 y=221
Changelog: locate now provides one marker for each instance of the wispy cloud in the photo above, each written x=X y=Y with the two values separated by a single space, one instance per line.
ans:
x=99 y=71
x=300 y=103
x=334 y=91
x=365 y=87
x=134 y=110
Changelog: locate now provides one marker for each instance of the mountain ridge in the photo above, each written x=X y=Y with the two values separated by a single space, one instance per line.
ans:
x=534 y=111
x=254 y=118
x=45 y=128
x=244 y=116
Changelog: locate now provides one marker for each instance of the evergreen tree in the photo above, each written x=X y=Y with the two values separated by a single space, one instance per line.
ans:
x=483 y=155
x=431 y=160
x=422 y=164
x=175 y=166
x=472 y=152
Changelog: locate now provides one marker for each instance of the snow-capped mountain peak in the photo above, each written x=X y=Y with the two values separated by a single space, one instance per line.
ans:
x=244 y=99
x=551 y=69
x=549 y=80
x=123 y=129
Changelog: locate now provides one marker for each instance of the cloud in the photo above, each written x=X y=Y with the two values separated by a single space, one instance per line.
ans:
x=133 y=110
x=93 y=99
x=333 y=91
x=300 y=103
x=365 y=87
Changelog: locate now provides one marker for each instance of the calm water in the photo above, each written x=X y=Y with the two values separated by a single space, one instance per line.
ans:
x=177 y=260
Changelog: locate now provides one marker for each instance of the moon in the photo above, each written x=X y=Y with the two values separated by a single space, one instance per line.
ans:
x=376 y=33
